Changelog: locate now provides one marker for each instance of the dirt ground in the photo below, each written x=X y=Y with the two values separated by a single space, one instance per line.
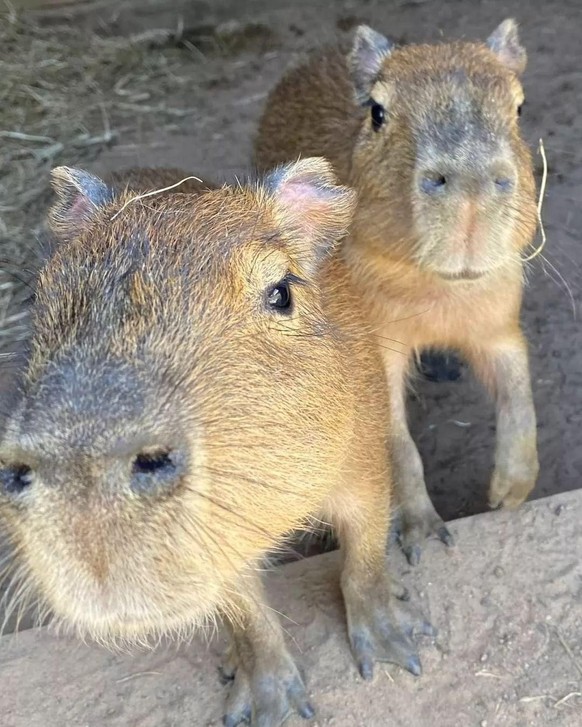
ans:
x=227 y=55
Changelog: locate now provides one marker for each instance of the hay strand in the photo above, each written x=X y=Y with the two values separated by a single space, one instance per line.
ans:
x=152 y=193
x=541 y=196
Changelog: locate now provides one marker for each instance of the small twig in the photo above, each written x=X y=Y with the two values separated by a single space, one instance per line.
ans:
x=104 y=138
x=537 y=698
x=19 y=136
x=567 y=697
x=147 y=36
x=106 y=124
x=138 y=674
x=16 y=317
x=537 y=251
x=483 y=673
x=253 y=98
x=49 y=152
x=152 y=193
x=159 y=109
x=568 y=651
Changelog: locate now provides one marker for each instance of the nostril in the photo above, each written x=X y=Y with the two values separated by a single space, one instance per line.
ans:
x=504 y=184
x=431 y=183
x=15 y=479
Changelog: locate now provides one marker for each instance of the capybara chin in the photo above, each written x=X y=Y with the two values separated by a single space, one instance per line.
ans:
x=429 y=137
x=200 y=382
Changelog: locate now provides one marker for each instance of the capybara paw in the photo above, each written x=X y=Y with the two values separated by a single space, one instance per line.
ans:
x=267 y=697
x=378 y=635
x=440 y=366
x=230 y=663
x=412 y=529
x=509 y=493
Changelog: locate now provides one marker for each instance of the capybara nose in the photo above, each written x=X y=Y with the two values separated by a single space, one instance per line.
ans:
x=495 y=176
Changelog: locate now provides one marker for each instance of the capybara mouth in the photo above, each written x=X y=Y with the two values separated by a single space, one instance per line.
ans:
x=463 y=275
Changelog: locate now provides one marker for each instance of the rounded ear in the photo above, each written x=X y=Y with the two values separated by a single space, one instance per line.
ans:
x=504 y=42
x=79 y=195
x=310 y=204
x=369 y=50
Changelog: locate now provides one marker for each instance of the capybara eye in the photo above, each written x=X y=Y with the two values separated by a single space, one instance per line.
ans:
x=151 y=462
x=279 y=297
x=15 y=479
x=377 y=116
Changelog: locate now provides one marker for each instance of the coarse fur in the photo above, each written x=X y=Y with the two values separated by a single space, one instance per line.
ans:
x=446 y=209
x=174 y=427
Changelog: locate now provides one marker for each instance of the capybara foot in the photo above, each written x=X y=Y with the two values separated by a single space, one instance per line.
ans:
x=414 y=527
x=381 y=631
x=509 y=492
x=267 y=696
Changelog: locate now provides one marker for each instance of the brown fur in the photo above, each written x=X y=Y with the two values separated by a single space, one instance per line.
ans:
x=435 y=270
x=151 y=334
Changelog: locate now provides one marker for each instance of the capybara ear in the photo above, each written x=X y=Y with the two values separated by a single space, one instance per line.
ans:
x=310 y=204
x=504 y=42
x=79 y=196
x=369 y=49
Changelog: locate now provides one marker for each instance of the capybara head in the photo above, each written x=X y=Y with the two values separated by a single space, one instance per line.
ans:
x=441 y=146
x=177 y=411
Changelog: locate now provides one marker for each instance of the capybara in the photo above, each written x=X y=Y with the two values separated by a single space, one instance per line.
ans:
x=200 y=383
x=429 y=137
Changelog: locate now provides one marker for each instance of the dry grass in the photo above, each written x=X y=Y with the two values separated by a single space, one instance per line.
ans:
x=65 y=94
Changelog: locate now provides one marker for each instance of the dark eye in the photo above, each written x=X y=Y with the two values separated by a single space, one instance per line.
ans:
x=520 y=108
x=156 y=471
x=13 y=480
x=279 y=297
x=377 y=113
x=148 y=462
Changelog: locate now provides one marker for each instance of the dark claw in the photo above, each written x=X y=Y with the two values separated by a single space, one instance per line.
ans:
x=306 y=711
x=445 y=536
x=428 y=629
x=394 y=535
x=405 y=595
x=413 y=665
x=225 y=677
x=424 y=629
x=366 y=669
x=233 y=720
x=412 y=554
x=298 y=697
